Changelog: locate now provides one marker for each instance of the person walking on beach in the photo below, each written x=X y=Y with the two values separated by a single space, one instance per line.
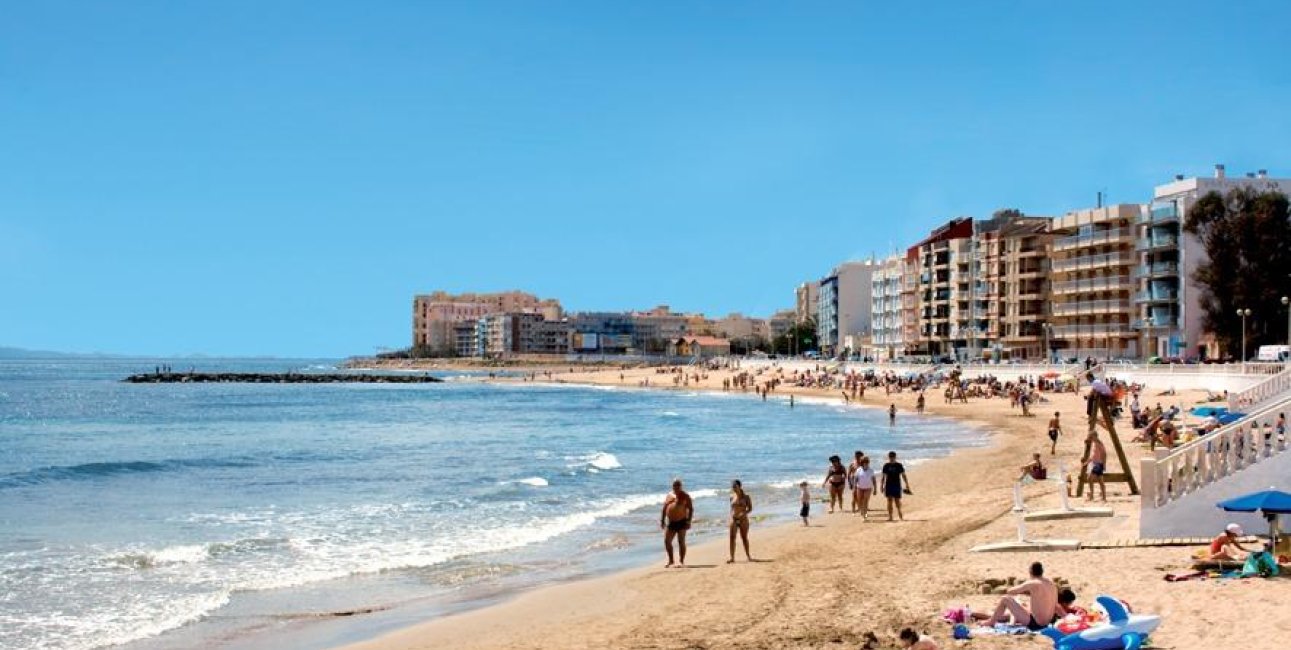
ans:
x=893 y=474
x=1055 y=428
x=851 y=479
x=918 y=404
x=741 y=506
x=836 y=481
x=1096 y=458
x=864 y=484
x=678 y=510
x=806 y=503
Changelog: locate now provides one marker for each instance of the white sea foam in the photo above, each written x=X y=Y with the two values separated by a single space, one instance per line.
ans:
x=600 y=460
x=670 y=414
x=784 y=485
x=534 y=481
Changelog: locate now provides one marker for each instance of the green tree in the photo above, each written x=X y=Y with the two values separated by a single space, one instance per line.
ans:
x=1247 y=239
x=799 y=338
x=1008 y=213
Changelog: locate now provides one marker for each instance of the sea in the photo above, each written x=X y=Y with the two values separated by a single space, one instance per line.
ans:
x=149 y=516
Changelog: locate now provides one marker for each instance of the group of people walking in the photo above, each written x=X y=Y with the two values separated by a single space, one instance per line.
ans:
x=858 y=479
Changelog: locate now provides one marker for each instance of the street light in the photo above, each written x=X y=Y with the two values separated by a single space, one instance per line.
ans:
x=1286 y=302
x=1243 y=313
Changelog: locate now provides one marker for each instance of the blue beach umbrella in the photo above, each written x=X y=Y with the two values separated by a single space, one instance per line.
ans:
x=1271 y=502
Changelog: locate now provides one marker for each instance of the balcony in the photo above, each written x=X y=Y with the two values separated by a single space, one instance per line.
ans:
x=1090 y=307
x=1156 y=296
x=1094 y=261
x=1097 y=329
x=1114 y=235
x=1157 y=242
x=1109 y=283
x=1157 y=270
x=1165 y=213
x=1160 y=323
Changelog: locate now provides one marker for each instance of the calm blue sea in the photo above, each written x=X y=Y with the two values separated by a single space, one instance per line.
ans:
x=158 y=516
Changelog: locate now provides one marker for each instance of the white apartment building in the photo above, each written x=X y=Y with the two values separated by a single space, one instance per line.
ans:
x=888 y=338
x=1169 y=302
x=843 y=308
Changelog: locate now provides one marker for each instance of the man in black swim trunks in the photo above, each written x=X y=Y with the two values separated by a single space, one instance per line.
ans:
x=1044 y=602
x=678 y=510
x=1055 y=428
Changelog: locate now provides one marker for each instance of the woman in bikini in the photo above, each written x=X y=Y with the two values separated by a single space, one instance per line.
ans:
x=836 y=481
x=741 y=506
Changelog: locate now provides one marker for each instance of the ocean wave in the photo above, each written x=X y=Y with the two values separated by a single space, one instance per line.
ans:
x=114 y=468
x=670 y=414
x=601 y=460
x=791 y=483
x=532 y=481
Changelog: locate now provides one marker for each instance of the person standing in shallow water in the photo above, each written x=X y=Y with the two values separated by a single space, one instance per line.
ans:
x=678 y=510
x=892 y=414
x=893 y=474
x=741 y=506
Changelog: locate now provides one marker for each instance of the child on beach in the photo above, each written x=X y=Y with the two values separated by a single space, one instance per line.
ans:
x=806 y=503
x=916 y=641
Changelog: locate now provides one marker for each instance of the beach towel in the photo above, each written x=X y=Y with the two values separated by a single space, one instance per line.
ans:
x=1260 y=564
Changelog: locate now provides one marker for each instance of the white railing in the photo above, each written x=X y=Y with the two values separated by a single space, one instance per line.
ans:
x=1212 y=457
x=1115 y=282
x=1092 y=261
x=1259 y=369
x=1278 y=384
x=1089 y=239
x=1089 y=307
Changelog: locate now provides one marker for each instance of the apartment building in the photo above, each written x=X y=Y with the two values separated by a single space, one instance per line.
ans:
x=1092 y=283
x=435 y=315
x=806 y=301
x=843 y=308
x=737 y=326
x=1169 y=314
x=886 y=309
x=502 y=335
x=944 y=290
x=1010 y=288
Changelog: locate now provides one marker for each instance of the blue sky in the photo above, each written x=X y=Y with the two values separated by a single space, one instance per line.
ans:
x=280 y=178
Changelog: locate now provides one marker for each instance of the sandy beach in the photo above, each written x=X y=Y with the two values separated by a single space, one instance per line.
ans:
x=847 y=583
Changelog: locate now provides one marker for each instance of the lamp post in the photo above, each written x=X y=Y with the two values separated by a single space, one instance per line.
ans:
x=1286 y=302
x=1243 y=313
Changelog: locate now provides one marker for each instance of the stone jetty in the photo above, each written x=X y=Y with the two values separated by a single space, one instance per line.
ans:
x=277 y=378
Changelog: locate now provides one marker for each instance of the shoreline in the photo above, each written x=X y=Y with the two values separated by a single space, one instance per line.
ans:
x=465 y=629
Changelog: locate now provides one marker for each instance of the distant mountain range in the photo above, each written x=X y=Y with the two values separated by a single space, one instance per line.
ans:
x=21 y=353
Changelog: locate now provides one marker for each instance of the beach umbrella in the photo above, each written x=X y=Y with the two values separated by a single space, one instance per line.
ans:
x=1271 y=502
x=1051 y=374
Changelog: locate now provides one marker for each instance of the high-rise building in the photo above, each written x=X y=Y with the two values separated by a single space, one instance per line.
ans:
x=1091 y=284
x=944 y=291
x=1010 y=291
x=806 y=301
x=1169 y=313
x=886 y=309
x=843 y=308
